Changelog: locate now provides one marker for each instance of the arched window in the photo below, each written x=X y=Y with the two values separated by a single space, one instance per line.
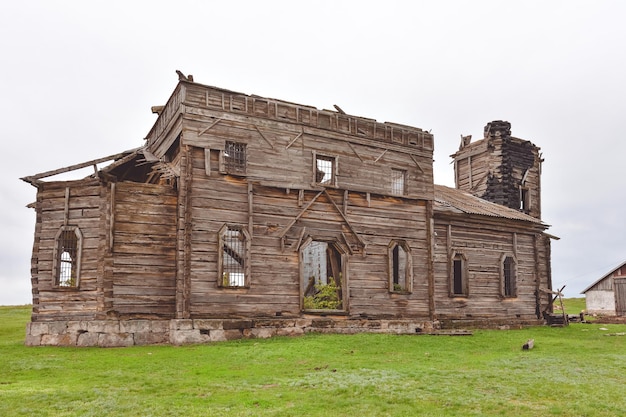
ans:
x=234 y=264
x=400 y=267
x=508 y=268
x=458 y=275
x=67 y=255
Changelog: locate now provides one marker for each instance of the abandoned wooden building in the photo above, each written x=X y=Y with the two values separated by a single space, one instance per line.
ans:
x=607 y=296
x=244 y=216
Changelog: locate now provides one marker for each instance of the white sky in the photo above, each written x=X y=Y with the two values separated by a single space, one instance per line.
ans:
x=78 y=78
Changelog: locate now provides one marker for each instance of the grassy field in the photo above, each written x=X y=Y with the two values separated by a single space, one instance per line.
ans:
x=575 y=371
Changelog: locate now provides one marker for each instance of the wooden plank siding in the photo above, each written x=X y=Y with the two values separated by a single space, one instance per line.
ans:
x=484 y=245
x=275 y=280
x=143 y=250
x=84 y=206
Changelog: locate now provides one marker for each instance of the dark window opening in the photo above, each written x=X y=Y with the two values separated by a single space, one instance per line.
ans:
x=400 y=267
x=510 y=284
x=459 y=276
x=235 y=158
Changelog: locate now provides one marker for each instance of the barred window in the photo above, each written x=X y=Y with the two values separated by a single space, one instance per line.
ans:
x=325 y=168
x=67 y=257
x=398 y=180
x=235 y=158
x=234 y=243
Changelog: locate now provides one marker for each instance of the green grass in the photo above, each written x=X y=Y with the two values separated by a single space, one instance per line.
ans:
x=572 y=371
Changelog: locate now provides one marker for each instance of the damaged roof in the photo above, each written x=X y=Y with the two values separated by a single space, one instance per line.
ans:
x=456 y=201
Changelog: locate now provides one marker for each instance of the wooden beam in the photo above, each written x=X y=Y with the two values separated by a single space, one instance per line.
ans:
x=294 y=139
x=293 y=221
x=263 y=136
x=209 y=127
x=381 y=155
x=355 y=152
x=32 y=178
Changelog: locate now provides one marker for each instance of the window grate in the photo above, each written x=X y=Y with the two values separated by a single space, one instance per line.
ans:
x=67 y=259
x=235 y=158
x=233 y=267
x=397 y=181
x=325 y=169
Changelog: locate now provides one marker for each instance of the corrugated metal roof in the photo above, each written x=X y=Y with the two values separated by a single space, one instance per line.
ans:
x=452 y=199
x=607 y=275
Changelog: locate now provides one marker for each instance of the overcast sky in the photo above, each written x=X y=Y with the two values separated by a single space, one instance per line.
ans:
x=78 y=78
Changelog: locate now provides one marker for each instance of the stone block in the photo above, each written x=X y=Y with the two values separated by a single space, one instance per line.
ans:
x=135 y=326
x=103 y=326
x=87 y=339
x=185 y=337
x=217 y=336
x=262 y=333
x=76 y=326
x=58 y=340
x=208 y=324
x=160 y=326
x=32 y=340
x=151 y=338
x=115 y=339
x=181 y=324
x=37 y=328
x=236 y=324
x=290 y=331
x=233 y=334
x=57 y=327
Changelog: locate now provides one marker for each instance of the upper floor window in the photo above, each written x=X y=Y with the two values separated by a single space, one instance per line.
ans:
x=398 y=182
x=325 y=169
x=509 y=277
x=235 y=158
x=67 y=257
x=234 y=257
x=400 y=267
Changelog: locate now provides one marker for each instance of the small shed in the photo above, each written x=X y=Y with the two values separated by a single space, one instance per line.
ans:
x=607 y=296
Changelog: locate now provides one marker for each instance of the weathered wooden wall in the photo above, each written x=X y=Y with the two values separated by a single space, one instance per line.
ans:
x=275 y=279
x=484 y=244
x=82 y=208
x=142 y=274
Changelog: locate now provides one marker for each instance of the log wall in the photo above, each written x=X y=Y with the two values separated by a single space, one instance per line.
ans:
x=82 y=208
x=484 y=246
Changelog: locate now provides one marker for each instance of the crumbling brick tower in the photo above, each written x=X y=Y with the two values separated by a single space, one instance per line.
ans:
x=501 y=168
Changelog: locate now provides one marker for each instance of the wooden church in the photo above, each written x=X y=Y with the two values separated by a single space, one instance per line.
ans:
x=243 y=216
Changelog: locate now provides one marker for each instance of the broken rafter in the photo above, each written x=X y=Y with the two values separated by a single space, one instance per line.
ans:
x=33 y=179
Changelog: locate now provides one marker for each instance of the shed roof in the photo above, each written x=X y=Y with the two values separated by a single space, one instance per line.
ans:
x=605 y=276
x=458 y=201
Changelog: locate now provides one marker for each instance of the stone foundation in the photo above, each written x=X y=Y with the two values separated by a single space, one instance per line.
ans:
x=119 y=333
